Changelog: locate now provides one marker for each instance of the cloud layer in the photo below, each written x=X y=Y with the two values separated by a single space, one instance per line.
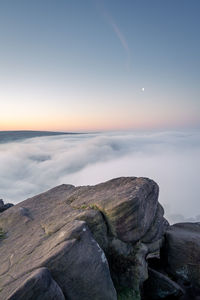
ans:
x=172 y=159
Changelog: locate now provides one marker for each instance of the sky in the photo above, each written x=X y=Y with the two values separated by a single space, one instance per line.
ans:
x=99 y=64
x=171 y=158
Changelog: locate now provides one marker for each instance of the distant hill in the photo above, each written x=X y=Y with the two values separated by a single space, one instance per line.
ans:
x=9 y=136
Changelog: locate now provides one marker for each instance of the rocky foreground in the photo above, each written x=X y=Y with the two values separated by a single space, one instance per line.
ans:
x=103 y=242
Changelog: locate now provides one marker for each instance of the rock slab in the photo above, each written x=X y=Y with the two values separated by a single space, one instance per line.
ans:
x=70 y=238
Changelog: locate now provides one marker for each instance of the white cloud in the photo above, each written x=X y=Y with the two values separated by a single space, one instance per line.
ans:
x=172 y=159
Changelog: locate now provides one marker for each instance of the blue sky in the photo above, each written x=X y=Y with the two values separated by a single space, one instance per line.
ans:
x=81 y=65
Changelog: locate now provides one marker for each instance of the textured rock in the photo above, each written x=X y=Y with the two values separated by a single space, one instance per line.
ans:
x=71 y=230
x=128 y=204
x=154 y=236
x=131 y=212
x=80 y=266
x=96 y=223
x=182 y=252
x=129 y=270
x=38 y=285
x=159 y=286
x=43 y=232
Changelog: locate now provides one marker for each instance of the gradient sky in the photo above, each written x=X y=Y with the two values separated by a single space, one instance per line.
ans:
x=82 y=64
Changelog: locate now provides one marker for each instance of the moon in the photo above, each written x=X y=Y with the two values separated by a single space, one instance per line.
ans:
x=142 y=89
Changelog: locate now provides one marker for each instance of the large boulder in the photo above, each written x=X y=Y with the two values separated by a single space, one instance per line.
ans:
x=181 y=253
x=129 y=205
x=43 y=232
x=83 y=236
x=134 y=221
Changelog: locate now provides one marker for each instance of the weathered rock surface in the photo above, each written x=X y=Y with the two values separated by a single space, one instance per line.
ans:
x=38 y=285
x=129 y=206
x=159 y=286
x=181 y=253
x=43 y=232
x=85 y=242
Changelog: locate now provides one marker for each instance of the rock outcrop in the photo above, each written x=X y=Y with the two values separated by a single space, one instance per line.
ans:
x=3 y=206
x=181 y=255
x=89 y=242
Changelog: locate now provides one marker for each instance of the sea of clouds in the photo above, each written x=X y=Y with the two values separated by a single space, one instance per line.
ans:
x=172 y=159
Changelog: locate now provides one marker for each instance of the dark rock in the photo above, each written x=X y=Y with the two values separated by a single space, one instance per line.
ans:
x=54 y=239
x=159 y=286
x=181 y=253
x=129 y=271
x=80 y=266
x=38 y=285
x=3 y=206
x=154 y=236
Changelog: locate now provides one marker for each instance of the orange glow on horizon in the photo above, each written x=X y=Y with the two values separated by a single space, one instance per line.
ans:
x=90 y=124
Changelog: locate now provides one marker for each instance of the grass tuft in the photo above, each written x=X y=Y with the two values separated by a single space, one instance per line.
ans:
x=2 y=234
